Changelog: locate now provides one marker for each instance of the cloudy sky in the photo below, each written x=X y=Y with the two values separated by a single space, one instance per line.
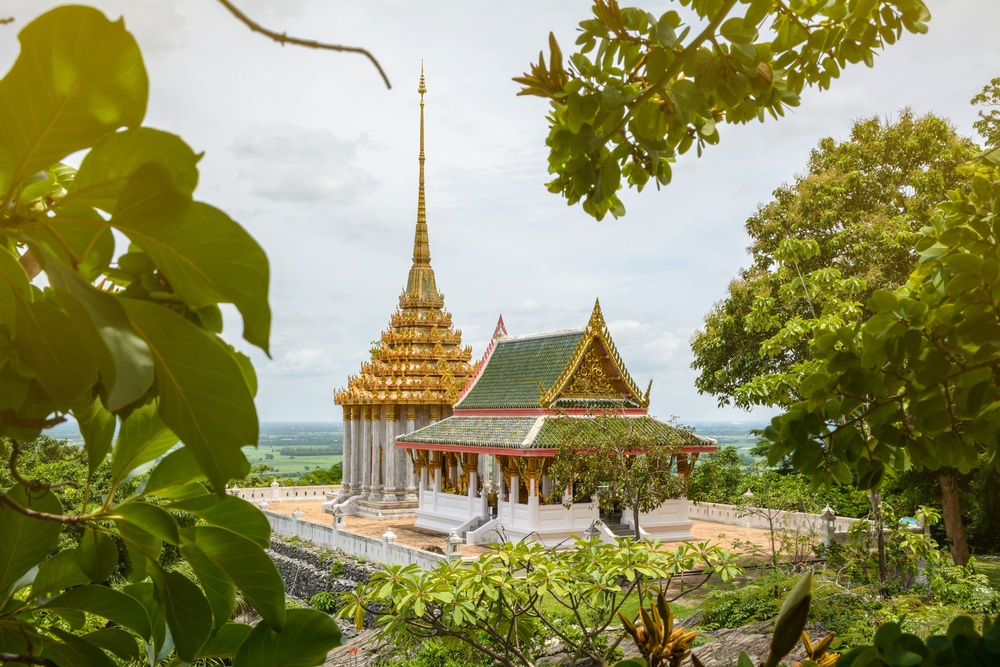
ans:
x=318 y=160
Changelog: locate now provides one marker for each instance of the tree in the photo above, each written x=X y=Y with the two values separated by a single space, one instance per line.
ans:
x=823 y=245
x=718 y=478
x=916 y=384
x=499 y=602
x=820 y=248
x=125 y=333
x=988 y=125
x=643 y=89
x=629 y=459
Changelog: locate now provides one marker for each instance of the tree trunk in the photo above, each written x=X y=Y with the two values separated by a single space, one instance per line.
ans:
x=875 y=497
x=635 y=519
x=951 y=512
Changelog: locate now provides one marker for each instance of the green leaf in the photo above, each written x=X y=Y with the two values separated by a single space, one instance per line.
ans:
x=143 y=549
x=107 y=603
x=188 y=614
x=57 y=573
x=48 y=342
x=217 y=585
x=226 y=641
x=97 y=426
x=174 y=474
x=106 y=169
x=97 y=555
x=123 y=357
x=737 y=32
x=142 y=438
x=253 y=572
x=203 y=397
x=232 y=513
x=73 y=650
x=116 y=641
x=882 y=301
x=308 y=636
x=78 y=78
x=154 y=520
x=78 y=237
x=207 y=257
x=24 y=542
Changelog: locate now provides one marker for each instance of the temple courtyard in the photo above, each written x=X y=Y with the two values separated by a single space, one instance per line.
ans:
x=420 y=538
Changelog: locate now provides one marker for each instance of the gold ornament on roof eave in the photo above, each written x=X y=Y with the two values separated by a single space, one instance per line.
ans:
x=586 y=375
x=420 y=357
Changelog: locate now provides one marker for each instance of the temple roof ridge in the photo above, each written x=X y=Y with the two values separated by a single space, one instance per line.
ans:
x=542 y=334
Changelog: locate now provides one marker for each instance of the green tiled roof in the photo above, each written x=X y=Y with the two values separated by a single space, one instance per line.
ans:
x=474 y=432
x=517 y=367
x=511 y=432
x=587 y=429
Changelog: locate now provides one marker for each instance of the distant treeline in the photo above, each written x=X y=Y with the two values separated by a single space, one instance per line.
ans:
x=312 y=451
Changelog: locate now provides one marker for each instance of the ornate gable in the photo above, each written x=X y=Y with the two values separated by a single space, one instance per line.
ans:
x=595 y=374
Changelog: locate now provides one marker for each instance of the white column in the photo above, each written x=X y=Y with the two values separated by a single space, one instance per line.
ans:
x=377 y=458
x=347 y=460
x=389 y=447
x=411 y=487
x=366 y=451
x=357 y=462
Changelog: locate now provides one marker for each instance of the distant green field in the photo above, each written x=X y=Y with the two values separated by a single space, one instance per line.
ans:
x=290 y=466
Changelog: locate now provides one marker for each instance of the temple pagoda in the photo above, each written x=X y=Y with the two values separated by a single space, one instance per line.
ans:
x=483 y=472
x=412 y=380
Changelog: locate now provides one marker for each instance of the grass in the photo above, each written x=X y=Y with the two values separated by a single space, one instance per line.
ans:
x=992 y=571
x=290 y=466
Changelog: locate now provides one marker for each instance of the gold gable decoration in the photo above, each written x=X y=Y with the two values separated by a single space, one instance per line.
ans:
x=595 y=370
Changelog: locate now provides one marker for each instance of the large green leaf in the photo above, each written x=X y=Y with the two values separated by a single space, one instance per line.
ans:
x=232 y=513
x=218 y=586
x=308 y=636
x=97 y=426
x=71 y=650
x=97 y=555
x=253 y=572
x=106 y=169
x=142 y=438
x=153 y=519
x=143 y=549
x=188 y=614
x=78 y=78
x=207 y=257
x=203 y=397
x=107 y=603
x=117 y=641
x=175 y=474
x=125 y=363
x=57 y=573
x=78 y=237
x=226 y=641
x=24 y=541
x=145 y=593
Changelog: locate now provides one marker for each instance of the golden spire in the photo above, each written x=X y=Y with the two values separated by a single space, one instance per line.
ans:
x=421 y=243
x=421 y=287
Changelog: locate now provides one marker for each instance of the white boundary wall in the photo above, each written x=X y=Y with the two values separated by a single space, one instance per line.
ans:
x=734 y=516
x=373 y=549
x=278 y=493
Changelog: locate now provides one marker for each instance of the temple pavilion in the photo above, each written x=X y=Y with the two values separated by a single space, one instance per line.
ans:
x=483 y=471
x=412 y=380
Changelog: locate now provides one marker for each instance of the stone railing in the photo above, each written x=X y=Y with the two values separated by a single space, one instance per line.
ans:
x=278 y=493
x=758 y=518
x=373 y=549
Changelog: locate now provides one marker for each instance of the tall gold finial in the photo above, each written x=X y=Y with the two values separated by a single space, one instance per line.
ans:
x=421 y=243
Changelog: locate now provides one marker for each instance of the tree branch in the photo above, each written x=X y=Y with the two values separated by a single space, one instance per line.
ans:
x=26 y=659
x=44 y=516
x=283 y=39
x=33 y=484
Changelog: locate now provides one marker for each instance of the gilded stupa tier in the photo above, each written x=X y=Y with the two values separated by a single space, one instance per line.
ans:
x=420 y=358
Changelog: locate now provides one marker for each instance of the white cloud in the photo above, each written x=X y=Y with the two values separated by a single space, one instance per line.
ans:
x=294 y=164
x=301 y=361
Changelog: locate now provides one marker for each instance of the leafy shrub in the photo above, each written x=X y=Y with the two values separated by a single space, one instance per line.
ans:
x=324 y=601
x=750 y=603
x=962 y=587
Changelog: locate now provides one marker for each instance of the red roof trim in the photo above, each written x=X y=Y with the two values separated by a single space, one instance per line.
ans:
x=542 y=412
x=519 y=451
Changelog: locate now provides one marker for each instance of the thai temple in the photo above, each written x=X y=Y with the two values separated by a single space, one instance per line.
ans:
x=467 y=449
x=413 y=378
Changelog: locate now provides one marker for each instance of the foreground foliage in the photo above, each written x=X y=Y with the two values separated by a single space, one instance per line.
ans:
x=121 y=329
x=644 y=89
x=503 y=602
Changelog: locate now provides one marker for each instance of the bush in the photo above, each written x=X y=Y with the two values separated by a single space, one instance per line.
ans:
x=750 y=603
x=324 y=601
x=962 y=587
